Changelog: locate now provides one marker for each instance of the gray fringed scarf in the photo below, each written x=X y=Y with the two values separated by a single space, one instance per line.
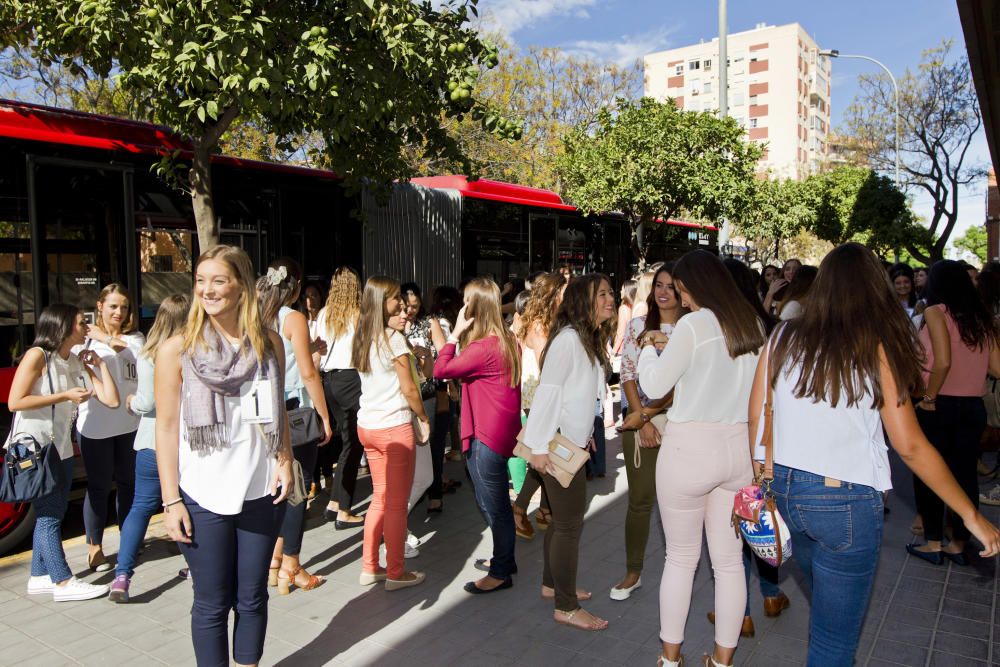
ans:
x=215 y=371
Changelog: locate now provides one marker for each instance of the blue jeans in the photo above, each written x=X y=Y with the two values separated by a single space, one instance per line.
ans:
x=145 y=504
x=228 y=557
x=768 y=576
x=836 y=536
x=597 y=465
x=488 y=471
x=47 y=555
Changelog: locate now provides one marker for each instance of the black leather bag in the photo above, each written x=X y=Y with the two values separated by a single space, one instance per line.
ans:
x=304 y=426
x=30 y=470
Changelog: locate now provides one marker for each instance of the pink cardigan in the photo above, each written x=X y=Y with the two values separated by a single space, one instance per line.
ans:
x=491 y=408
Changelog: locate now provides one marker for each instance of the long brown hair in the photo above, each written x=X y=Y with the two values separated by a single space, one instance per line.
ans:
x=482 y=304
x=115 y=288
x=343 y=302
x=836 y=340
x=652 y=309
x=372 y=321
x=275 y=291
x=250 y=323
x=170 y=319
x=542 y=304
x=577 y=312
x=798 y=289
x=705 y=277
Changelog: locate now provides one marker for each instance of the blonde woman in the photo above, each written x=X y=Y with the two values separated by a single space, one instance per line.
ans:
x=107 y=435
x=490 y=369
x=390 y=399
x=277 y=290
x=223 y=454
x=171 y=317
x=337 y=322
x=533 y=333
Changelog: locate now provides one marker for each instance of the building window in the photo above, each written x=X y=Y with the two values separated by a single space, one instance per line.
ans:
x=708 y=65
x=694 y=64
x=162 y=263
x=753 y=122
x=678 y=69
x=707 y=88
x=737 y=99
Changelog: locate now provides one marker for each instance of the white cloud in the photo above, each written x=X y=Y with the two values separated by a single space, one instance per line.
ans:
x=625 y=50
x=510 y=16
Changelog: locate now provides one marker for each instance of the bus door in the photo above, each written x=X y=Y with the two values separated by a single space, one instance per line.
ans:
x=82 y=237
x=542 y=232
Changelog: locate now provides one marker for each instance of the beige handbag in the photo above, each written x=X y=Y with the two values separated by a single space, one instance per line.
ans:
x=297 y=494
x=565 y=458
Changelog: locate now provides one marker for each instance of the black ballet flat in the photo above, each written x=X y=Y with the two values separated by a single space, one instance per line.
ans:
x=932 y=557
x=470 y=587
x=958 y=559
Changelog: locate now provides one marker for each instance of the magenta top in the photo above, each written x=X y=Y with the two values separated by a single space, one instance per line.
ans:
x=491 y=408
x=969 y=366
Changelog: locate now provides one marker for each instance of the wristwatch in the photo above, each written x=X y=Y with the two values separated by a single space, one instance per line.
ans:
x=644 y=417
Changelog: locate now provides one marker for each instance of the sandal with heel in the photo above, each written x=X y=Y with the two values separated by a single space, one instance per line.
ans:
x=522 y=526
x=272 y=572
x=288 y=579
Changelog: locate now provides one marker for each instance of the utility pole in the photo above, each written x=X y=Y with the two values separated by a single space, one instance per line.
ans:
x=723 y=71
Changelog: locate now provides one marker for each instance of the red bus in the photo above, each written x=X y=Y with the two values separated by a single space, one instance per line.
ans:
x=80 y=207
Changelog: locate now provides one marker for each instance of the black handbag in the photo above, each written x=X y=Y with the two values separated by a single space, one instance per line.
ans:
x=31 y=470
x=304 y=426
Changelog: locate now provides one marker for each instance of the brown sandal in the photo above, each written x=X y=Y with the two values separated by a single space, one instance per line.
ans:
x=272 y=572
x=288 y=579
x=522 y=526
x=543 y=518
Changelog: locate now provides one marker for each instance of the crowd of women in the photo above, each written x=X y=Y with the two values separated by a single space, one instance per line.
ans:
x=194 y=419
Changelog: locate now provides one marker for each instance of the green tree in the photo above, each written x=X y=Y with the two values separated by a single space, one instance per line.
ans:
x=973 y=241
x=940 y=117
x=779 y=211
x=551 y=93
x=368 y=77
x=856 y=204
x=652 y=160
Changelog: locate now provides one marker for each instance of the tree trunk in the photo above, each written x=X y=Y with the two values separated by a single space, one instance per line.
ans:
x=638 y=243
x=201 y=199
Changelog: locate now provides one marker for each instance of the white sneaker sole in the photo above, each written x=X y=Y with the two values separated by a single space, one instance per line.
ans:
x=48 y=590
x=97 y=592
x=395 y=584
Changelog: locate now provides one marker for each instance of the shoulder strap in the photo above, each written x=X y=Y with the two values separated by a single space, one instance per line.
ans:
x=52 y=390
x=768 y=436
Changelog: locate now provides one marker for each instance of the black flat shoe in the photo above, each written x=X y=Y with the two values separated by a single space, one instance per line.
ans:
x=958 y=559
x=932 y=557
x=344 y=525
x=330 y=515
x=483 y=565
x=471 y=587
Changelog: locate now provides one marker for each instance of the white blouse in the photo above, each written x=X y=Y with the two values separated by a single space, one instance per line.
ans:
x=569 y=394
x=338 y=354
x=96 y=420
x=718 y=387
x=66 y=374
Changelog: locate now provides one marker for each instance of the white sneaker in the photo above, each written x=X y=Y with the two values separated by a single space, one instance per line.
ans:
x=74 y=589
x=40 y=585
x=412 y=540
x=408 y=552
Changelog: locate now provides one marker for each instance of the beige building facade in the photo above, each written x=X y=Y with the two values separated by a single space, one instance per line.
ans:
x=779 y=90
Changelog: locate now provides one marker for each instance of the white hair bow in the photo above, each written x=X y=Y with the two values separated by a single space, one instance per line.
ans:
x=275 y=276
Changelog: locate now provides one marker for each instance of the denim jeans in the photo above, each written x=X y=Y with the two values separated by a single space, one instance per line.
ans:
x=598 y=465
x=768 y=575
x=488 y=471
x=47 y=555
x=107 y=460
x=228 y=557
x=144 y=506
x=836 y=536
x=439 y=436
x=293 y=526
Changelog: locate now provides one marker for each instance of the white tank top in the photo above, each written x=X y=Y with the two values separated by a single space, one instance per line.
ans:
x=66 y=374
x=96 y=420
x=222 y=480
x=293 y=379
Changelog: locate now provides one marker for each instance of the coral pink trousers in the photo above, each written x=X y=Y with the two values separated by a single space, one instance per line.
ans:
x=391 y=456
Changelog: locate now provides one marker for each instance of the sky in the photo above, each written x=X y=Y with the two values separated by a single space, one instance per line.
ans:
x=892 y=31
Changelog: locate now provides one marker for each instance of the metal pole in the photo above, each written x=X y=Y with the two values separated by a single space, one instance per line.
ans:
x=723 y=62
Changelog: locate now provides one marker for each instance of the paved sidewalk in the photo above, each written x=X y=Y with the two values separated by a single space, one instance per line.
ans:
x=920 y=615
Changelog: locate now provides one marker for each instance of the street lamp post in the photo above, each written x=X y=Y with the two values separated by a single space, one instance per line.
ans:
x=834 y=53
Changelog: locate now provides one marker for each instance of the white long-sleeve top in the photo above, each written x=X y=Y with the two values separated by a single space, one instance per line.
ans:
x=144 y=405
x=710 y=385
x=570 y=389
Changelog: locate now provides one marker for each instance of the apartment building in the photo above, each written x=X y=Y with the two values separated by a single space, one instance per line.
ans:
x=779 y=90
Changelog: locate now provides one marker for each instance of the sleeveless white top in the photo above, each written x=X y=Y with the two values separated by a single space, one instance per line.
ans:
x=96 y=420
x=66 y=374
x=222 y=480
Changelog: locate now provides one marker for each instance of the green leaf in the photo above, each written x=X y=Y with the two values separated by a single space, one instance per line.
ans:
x=201 y=114
x=212 y=107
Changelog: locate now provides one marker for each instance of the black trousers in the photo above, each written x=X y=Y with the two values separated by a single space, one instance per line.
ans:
x=954 y=429
x=343 y=395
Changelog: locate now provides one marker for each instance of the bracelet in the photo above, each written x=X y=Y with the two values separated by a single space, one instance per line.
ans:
x=452 y=340
x=928 y=399
x=172 y=502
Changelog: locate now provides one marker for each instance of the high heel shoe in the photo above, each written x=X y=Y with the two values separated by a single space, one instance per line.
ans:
x=543 y=518
x=272 y=572
x=522 y=527
x=99 y=562
x=288 y=579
